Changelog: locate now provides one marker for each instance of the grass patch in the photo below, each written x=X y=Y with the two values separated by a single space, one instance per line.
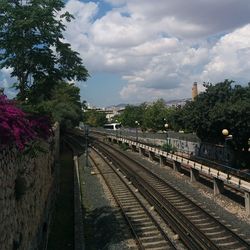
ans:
x=62 y=226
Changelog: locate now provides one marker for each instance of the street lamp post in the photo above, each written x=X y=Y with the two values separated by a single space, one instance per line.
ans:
x=136 y=129
x=121 y=131
x=225 y=132
x=86 y=144
x=166 y=127
x=227 y=137
x=116 y=132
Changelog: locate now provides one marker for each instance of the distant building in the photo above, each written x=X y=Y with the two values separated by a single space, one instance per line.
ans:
x=177 y=103
x=110 y=112
x=194 y=90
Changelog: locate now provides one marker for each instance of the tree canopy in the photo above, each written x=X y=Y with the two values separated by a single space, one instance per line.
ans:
x=224 y=105
x=94 y=118
x=131 y=114
x=64 y=106
x=156 y=115
x=152 y=116
x=33 y=47
x=221 y=106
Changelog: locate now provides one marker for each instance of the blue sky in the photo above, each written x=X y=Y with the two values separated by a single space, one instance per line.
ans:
x=142 y=50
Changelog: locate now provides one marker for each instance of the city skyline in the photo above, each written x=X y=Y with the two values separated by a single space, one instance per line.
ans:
x=137 y=51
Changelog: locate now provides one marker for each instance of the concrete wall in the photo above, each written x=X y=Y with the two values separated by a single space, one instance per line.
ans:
x=181 y=145
x=218 y=153
x=27 y=193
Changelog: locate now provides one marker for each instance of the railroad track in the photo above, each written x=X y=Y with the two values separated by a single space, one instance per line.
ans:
x=197 y=228
x=147 y=232
x=76 y=145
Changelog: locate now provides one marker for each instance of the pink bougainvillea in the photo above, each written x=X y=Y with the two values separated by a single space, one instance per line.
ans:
x=19 y=128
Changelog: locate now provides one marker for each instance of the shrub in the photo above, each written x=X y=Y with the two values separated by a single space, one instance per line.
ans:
x=169 y=148
x=19 y=128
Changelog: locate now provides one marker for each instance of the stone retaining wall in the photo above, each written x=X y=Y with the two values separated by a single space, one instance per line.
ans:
x=27 y=193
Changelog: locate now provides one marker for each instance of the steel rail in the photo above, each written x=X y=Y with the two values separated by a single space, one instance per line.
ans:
x=180 y=224
x=240 y=240
x=140 y=244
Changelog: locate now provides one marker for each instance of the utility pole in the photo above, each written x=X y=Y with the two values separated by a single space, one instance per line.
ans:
x=136 y=129
x=86 y=144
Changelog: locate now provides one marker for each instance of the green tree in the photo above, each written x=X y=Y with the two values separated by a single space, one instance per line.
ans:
x=156 y=115
x=131 y=114
x=31 y=44
x=175 y=119
x=64 y=106
x=84 y=105
x=220 y=106
x=95 y=118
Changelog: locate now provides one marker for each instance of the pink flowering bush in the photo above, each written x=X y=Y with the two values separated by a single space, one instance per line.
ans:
x=19 y=128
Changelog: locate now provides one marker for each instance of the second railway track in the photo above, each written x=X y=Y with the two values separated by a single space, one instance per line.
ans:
x=147 y=232
x=197 y=229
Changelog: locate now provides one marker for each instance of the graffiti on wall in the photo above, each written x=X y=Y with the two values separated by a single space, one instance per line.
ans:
x=184 y=146
x=217 y=153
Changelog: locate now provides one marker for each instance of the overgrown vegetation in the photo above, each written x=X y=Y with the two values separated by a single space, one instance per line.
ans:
x=19 y=128
x=220 y=106
x=224 y=105
x=32 y=46
x=168 y=147
x=94 y=118
x=64 y=106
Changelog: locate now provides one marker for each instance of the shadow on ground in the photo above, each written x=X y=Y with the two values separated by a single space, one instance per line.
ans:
x=105 y=228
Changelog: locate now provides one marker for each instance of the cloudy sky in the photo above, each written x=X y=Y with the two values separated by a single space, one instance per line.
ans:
x=142 y=50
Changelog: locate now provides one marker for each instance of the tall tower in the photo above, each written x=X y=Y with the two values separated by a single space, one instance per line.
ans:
x=194 y=90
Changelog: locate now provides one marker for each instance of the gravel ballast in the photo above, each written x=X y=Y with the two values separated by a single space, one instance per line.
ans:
x=103 y=223
x=104 y=227
x=227 y=211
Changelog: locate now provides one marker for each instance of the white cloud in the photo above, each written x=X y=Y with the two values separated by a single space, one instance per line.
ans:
x=6 y=82
x=160 y=48
x=230 y=57
x=201 y=18
x=78 y=29
x=116 y=2
x=118 y=31
x=155 y=47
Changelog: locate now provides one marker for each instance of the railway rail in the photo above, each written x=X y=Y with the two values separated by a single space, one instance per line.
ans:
x=147 y=232
x=197 y=229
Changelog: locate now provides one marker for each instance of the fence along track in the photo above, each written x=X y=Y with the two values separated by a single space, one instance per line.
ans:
x=210 y=232
x=145 y=229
